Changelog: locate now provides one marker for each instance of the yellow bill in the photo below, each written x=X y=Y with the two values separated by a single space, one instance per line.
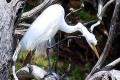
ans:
x=95 y=50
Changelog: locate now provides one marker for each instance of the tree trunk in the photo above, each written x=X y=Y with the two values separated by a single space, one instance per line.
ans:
x=9 y=15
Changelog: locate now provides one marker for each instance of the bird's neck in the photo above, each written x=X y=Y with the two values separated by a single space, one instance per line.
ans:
x=68 y=28
x=82 y=29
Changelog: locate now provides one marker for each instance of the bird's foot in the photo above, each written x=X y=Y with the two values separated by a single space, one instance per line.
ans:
x=50 y=72
x=51 y=75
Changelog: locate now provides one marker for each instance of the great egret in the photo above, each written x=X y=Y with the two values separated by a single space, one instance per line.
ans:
x=45 y=27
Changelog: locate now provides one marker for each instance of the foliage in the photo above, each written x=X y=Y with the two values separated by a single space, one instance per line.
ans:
x=82 y=15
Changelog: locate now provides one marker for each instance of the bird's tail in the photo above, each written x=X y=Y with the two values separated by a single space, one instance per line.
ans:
x=41 y=50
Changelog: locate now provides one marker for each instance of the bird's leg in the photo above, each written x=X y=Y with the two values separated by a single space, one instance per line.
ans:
x=15 y=55
x=79 y=36
x=49 y=47
x=47 y=51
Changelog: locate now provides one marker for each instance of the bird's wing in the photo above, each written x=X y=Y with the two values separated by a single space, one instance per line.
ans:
x=39 y=29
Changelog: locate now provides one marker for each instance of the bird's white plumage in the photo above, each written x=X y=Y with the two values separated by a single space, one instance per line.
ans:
x=90 y=37
x=46 y=26
x=43 y=28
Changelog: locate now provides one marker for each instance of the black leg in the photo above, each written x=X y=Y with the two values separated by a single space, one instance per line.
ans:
x=49 y=47
x=47 y=51
x=79 y=36
x=48 y=59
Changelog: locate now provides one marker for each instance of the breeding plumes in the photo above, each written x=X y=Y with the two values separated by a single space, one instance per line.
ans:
x=44 y=28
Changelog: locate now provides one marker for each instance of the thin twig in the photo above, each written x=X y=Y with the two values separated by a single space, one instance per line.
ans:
x=67 y=71
x=20 y=32
x=73 y=11
x=24 y=25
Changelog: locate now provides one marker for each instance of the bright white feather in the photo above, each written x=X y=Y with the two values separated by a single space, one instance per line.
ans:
x=46 y=26
x=43 y=28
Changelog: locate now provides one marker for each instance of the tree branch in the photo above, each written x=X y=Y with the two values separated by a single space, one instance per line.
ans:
x=105 y=7
x=20 y=32
x=36 y=10
x=100 y=6
x=17 y=9
x=3 y=1
x=15 y=3
x=35 y=72
x=9 y=16
x=106 y=75
x=31 y=71
x=114 y=24
x=111 y=65
x=101 y=11
x=24 y=25
x=66 y=73
x=72 y=11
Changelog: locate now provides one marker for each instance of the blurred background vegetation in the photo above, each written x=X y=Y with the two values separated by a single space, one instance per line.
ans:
x=78 y=53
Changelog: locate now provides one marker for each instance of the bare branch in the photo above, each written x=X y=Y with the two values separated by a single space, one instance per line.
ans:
x=31 y=71
x=114 y=24
x=24 y=25
x=14 y=60
x=94 y=25
x=111 y=65
x=16 y=3
x=67 y=71
x=106 y=75
x=20 y=32
x=105 y=7
x=35 y=72
x=17 y=9
x=101 y=11
x=73 y=11
x=9 y=16
x=3 y=1
x=36 y=10
x=100 y=6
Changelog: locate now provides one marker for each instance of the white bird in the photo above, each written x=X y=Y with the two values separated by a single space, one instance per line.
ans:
x=45 y=27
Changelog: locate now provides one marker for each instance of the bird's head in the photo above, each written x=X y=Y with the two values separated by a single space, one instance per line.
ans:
x=92 y=42
x=90 y=37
